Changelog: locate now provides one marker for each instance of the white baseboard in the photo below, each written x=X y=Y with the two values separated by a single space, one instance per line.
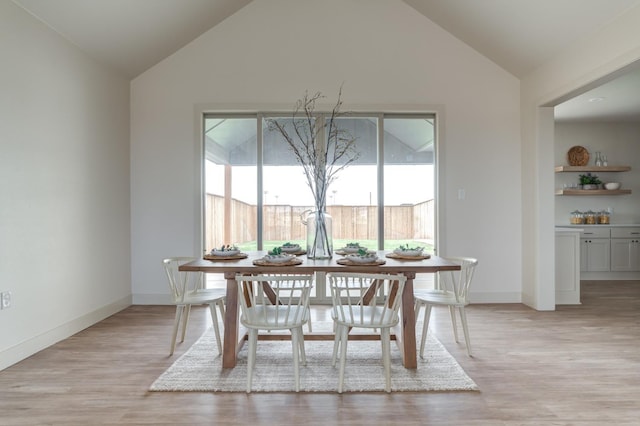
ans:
x=151 y=299
x=488 y=297
x=31 y=346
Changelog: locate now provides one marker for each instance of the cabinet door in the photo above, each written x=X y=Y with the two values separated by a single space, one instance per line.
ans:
x=594 y=255
x=625 y=254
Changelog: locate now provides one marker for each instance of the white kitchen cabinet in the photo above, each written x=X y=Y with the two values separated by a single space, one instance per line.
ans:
x=625 y=249
x=595 y=250
x=607 y=252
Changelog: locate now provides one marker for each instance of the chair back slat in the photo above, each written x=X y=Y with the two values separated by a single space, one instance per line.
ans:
x=458 y=282
x=274 y=301
x=181 y=282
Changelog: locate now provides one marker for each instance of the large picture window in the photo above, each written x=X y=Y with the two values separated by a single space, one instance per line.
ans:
x=256 y=195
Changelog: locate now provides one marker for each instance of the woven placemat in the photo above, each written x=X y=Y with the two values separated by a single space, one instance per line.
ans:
x=348 y=262
x=401 y=257
x=216 y=258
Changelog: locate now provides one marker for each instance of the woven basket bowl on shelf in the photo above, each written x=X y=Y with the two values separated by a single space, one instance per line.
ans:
x=578 y=156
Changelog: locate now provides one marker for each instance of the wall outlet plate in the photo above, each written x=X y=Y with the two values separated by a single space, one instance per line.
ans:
x=5 y=300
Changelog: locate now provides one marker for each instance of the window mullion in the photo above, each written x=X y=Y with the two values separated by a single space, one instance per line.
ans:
x=259 y=183
x=380 y=183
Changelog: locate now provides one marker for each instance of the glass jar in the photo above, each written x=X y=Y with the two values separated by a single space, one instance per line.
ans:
x=577 y=218
x=604 y=217
x=590 y=218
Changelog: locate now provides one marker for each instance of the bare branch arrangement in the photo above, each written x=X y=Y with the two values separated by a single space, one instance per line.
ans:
x=321 y=160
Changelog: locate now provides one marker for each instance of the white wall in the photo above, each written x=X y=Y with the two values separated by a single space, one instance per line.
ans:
x=609 y=49
x=388 y=56
x=620 y=142
x=64 y=187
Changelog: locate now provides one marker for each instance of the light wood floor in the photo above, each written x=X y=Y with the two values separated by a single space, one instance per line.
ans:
x=579 y=365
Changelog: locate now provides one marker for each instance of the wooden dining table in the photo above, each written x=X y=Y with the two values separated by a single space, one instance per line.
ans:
x=405 y=333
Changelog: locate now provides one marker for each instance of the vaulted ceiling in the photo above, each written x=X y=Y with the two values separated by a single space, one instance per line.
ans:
x=518 y=35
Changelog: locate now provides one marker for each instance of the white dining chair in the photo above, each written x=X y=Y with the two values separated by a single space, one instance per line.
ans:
x=275 y=302
x=453 y=292
x=369 y=301
x=187 y=289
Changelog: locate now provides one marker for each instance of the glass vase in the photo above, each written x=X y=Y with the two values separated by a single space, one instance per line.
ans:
x=319 y=237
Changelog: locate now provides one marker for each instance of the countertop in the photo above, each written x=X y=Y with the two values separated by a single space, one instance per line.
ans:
x=585 y=226
x=574 y=228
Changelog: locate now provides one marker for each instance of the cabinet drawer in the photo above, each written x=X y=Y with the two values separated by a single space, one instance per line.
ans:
x=625 y=232
x=595 y=233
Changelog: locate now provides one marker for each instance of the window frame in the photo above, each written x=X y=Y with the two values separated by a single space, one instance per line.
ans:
x=380 y=120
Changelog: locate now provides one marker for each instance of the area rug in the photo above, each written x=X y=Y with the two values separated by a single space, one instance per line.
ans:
x=200 y=370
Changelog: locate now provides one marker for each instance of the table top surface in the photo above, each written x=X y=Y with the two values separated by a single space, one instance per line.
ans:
x=433 y=264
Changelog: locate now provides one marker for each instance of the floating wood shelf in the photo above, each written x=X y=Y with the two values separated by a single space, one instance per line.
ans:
x=599 y=169
x=560 y=169
x=593 y=191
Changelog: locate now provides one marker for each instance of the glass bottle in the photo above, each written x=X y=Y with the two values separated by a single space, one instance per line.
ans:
x=604 y=161
x=598 y=159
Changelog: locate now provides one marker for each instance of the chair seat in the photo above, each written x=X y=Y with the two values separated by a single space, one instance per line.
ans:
x=202 y=297
x=447 y=298
x=279 y=317
x=363 y=317
x=427 y=292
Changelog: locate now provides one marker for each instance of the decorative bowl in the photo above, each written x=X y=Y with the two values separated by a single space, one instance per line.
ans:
x=290 y=248
x=357 y=258
x=612 y=185
x=352 y=248
x=224 y=253
x=408 y=252
x=278 y=258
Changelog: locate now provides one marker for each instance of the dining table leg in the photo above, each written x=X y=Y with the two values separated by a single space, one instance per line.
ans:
x=406 y=337
x=231 y=326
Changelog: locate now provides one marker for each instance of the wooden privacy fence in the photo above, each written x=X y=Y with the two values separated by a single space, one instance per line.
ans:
x=283 y=222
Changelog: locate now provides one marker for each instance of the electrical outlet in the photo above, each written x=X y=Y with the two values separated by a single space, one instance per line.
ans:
x=5 y=300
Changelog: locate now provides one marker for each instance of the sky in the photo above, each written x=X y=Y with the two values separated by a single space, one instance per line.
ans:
x=355 y=185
